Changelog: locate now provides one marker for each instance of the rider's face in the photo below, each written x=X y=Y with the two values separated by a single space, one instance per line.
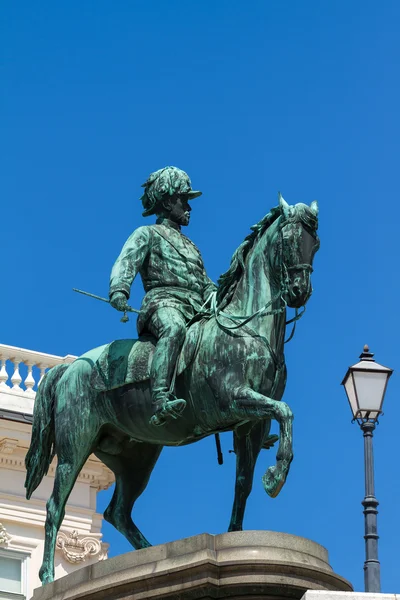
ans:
x=180 y=210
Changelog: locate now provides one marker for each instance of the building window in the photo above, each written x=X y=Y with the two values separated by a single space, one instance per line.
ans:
x=12 y=575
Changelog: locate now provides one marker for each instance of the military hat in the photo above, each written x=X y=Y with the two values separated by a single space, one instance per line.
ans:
x=166 y=181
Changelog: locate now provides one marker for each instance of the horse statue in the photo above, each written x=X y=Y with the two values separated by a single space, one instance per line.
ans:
x=231 y=373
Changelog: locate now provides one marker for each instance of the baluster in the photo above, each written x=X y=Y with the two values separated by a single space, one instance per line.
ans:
x=29 y=381
x=3 y=375
x=16 y=377
x=42 y=373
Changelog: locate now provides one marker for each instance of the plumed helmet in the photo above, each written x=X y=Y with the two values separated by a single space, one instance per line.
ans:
x=166 y=181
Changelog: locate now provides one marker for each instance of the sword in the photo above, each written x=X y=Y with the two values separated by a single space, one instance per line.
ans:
x=128 y=308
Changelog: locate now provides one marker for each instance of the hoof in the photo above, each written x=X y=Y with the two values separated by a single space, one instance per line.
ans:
x=141 y=543
x=235 y=528
x=46 y=578
x=273 y=481
x=270 y=441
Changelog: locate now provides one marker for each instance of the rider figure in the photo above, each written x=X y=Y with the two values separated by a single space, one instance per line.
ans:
x=173 y=277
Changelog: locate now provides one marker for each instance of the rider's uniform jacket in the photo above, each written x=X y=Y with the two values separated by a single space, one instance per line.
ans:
x=171 y=269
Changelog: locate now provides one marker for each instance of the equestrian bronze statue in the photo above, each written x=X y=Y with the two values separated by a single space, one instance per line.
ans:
x=225 y=370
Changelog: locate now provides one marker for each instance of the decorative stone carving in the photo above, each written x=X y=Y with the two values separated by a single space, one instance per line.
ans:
x=94 y=472
x=8 y=445
x=76 y=549
x=4 y=537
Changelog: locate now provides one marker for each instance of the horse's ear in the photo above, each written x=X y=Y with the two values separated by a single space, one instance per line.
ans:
x=314 y=207
x=285 y=208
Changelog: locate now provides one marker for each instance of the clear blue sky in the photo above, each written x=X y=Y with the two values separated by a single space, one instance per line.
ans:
x=250 y=98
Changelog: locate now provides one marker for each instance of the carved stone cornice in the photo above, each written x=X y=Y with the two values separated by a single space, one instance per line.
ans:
x=77 y=549
x=93 y=473
x=4 y=536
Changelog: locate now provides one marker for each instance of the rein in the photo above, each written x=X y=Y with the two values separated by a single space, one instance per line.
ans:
x=284 y=287
x=247 y=318
x=261 y=311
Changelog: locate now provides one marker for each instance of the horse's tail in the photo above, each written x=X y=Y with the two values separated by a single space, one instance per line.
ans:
x=41 y=451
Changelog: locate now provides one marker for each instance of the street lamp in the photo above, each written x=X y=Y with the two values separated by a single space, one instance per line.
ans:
x=365 y=384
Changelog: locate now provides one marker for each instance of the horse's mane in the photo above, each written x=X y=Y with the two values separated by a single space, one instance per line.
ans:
x=228 y=281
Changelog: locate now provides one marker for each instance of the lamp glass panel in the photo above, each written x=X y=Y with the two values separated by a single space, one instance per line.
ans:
x=351 y=394
x=370 y=388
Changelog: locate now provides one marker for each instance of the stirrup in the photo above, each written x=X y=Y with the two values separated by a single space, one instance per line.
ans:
x=169 y=409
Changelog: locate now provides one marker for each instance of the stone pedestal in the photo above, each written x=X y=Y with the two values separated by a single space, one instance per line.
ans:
x=241 y=565
x=322 y=595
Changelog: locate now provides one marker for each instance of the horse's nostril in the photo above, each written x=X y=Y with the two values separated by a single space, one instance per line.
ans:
x=296 y=290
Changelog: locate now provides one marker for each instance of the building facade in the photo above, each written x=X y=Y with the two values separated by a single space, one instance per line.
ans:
x=79 y=542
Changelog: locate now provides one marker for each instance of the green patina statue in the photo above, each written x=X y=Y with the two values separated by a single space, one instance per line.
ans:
x=128 y=399
x=174 y=279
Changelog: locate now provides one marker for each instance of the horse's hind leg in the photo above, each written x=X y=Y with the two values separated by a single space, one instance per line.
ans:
x=248 y=441
x=70 y=463
x=132 y=471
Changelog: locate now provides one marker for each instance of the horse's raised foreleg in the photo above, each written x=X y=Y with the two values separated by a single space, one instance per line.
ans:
x=132 y=471
x=254 y=405
x=247 y=443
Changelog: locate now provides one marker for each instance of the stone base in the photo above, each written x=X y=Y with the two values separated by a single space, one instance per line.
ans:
x=320 y=595
x=240 y=565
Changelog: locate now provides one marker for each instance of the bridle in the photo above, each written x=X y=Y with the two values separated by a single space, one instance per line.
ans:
x=263 y=311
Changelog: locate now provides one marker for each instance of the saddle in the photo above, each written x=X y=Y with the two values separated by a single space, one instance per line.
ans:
x=129 y=361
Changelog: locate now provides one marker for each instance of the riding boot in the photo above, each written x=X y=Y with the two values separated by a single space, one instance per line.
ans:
x=166 y=354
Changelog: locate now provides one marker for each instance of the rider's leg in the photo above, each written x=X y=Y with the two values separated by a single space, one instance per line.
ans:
x=169 y=327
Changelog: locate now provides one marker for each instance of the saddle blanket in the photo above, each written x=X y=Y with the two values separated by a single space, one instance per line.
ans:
x=129 y=361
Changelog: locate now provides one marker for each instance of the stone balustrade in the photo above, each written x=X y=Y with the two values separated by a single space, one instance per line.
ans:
x=21 y=371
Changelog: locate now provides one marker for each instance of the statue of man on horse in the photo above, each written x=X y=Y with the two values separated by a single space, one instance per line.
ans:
x=231 y=373
x=173 y=275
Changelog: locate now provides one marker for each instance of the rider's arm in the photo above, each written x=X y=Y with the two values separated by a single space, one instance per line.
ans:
x=129 y=262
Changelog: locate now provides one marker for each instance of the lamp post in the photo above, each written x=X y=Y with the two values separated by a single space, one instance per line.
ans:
x=365 y=384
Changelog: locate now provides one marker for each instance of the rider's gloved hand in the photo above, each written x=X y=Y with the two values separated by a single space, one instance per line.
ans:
x=119 y=301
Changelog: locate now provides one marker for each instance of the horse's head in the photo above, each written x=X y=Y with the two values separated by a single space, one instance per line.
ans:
x=282 y=247
x=298 y=244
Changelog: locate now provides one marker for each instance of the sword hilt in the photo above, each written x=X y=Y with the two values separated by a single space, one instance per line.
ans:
x=125 y=318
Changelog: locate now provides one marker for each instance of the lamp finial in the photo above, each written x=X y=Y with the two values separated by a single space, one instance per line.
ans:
x=366 y=354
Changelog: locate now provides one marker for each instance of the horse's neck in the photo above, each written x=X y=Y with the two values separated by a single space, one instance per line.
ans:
x=258 y=287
